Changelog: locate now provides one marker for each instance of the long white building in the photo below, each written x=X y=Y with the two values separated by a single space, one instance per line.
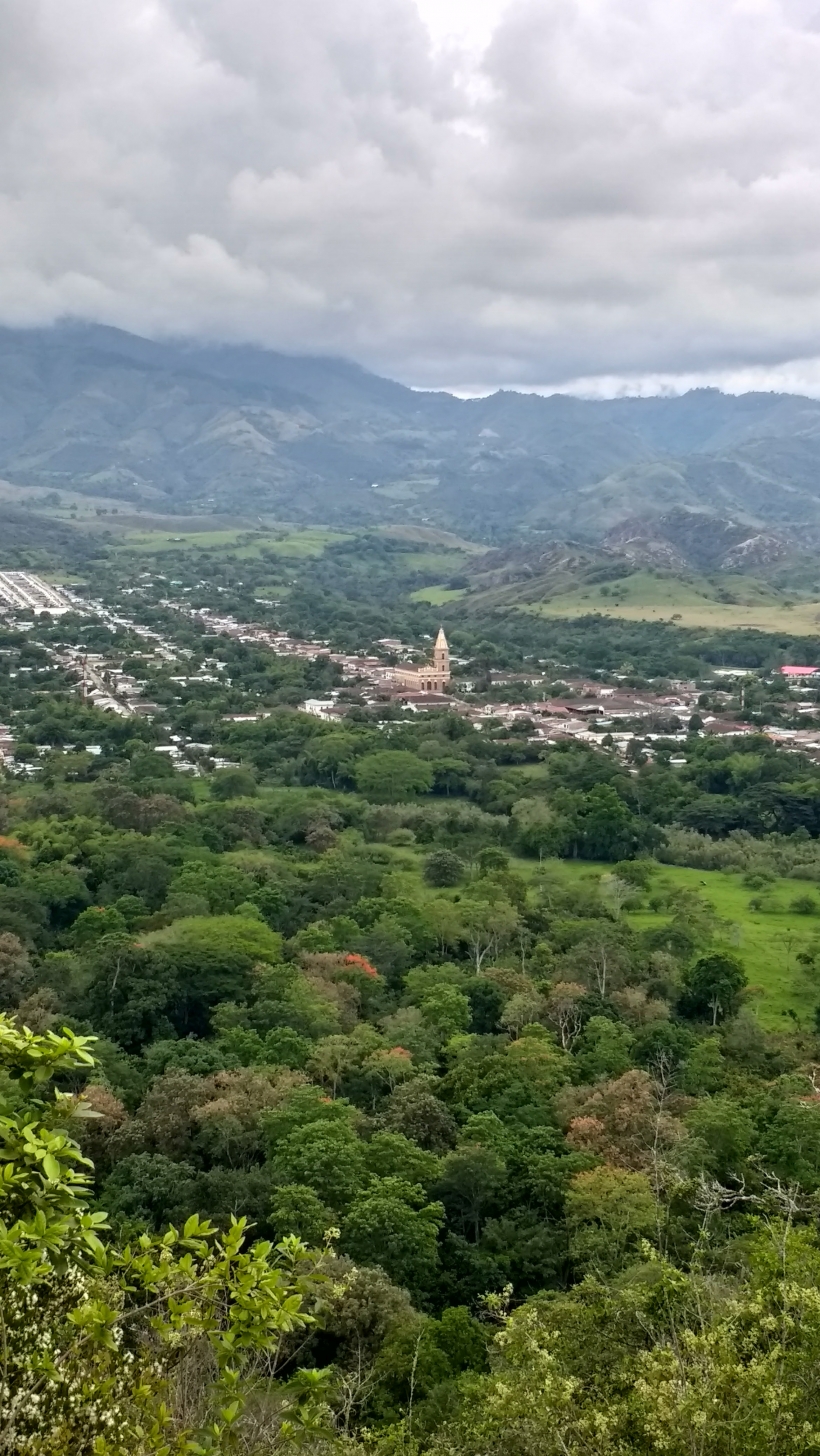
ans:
x=20 y=591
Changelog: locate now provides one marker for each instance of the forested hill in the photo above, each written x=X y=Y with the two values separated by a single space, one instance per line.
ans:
x=175 y=425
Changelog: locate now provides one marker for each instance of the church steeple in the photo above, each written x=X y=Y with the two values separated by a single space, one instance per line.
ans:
x=441 y=656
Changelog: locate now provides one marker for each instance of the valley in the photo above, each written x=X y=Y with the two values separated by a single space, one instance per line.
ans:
x=492 y=981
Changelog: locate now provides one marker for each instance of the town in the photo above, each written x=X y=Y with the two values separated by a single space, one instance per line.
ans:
x=582 y=709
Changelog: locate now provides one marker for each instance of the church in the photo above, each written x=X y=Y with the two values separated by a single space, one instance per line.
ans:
x=428 y=677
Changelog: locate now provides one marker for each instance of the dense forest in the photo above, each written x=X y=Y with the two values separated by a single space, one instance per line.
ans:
x=382 y=1090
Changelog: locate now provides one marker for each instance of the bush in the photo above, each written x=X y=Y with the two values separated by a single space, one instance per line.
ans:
x=803 y=905
x=757 y=880
x=401 y=838
x=636 y=872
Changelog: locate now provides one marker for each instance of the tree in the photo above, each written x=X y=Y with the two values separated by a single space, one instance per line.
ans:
x=387 y=945
x=447 y=1010
x=563 y=1009
x=123 y=1336
x=492 y=860
x=538 y=829
x=391 y=775
x=713 y=985
x=442 y=868
x=212 y=959
x=606 y=828
x=232 y=783
x=471 y=1180
x=331 y=1058
x=487 y=927
x=486 y=1002
x=391 y=1224
x=95 y=922
x=668 y=1363
x=391 y=1153
x=450 y=775
x=296 y=1209
x=725 y=1132
x=446 y=924
x=620 y=1120
x=132 y=993
x=325 y=1156
x=331 y=757
x=415 y=1111
x=518 y=1083
x=705 y=1067
x=790 y=1146
x=149 y=1189
x=388 y=1067
x=522 y=1010
x=362 y=1311
x=608 y=1212
x=16 y=971
x=604 y=1049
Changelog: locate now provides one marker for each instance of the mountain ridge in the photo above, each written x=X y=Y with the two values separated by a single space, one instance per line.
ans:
x=184 y=426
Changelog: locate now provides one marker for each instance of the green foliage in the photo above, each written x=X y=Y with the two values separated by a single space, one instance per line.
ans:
x=92 y=924
x=725 y=1131
x=442 y=868
x=603 y=1050
x=712 y=986
x=392 y=775
x=330 y=995
x=232 y=783
x=94 y=1332
x=326 y=1156
x=391 y=1224
x=609 y=1211
x=671 y=1363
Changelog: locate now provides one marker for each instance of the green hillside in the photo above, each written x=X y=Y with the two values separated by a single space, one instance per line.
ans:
x=646 y=595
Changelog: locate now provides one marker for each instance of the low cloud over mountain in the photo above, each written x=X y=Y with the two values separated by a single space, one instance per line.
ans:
x=609 y=188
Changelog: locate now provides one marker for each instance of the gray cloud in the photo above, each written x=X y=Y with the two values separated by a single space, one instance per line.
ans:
x=613 y=190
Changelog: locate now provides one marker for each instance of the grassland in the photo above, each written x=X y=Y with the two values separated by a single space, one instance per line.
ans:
x=69 y=506
x=733 y=601
x=436 y=596
x=431 y=536
x=780 y=987
x=240 y=541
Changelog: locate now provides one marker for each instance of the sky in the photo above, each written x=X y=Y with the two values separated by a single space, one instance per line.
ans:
x=611 y=196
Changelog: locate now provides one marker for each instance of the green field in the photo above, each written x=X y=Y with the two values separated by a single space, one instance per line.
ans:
x=734 y=601
x=242 y=542
x=437 y=595
x=431 y=536
x=445 y=562
x=767 y=943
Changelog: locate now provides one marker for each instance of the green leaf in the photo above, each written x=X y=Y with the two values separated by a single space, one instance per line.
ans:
x=51 y=1168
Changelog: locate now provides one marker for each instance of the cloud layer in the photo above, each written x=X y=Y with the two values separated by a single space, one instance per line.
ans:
x=607 y=190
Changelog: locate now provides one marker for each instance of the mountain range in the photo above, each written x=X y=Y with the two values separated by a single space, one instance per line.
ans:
x=178 y=426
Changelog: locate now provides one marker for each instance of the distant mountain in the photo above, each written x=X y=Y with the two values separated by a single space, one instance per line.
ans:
x=178 y=426
x=694 y=540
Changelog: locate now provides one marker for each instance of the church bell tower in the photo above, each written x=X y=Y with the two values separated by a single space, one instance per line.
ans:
x=441 y=659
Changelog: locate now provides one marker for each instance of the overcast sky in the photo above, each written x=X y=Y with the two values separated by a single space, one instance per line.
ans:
x=459 y=193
